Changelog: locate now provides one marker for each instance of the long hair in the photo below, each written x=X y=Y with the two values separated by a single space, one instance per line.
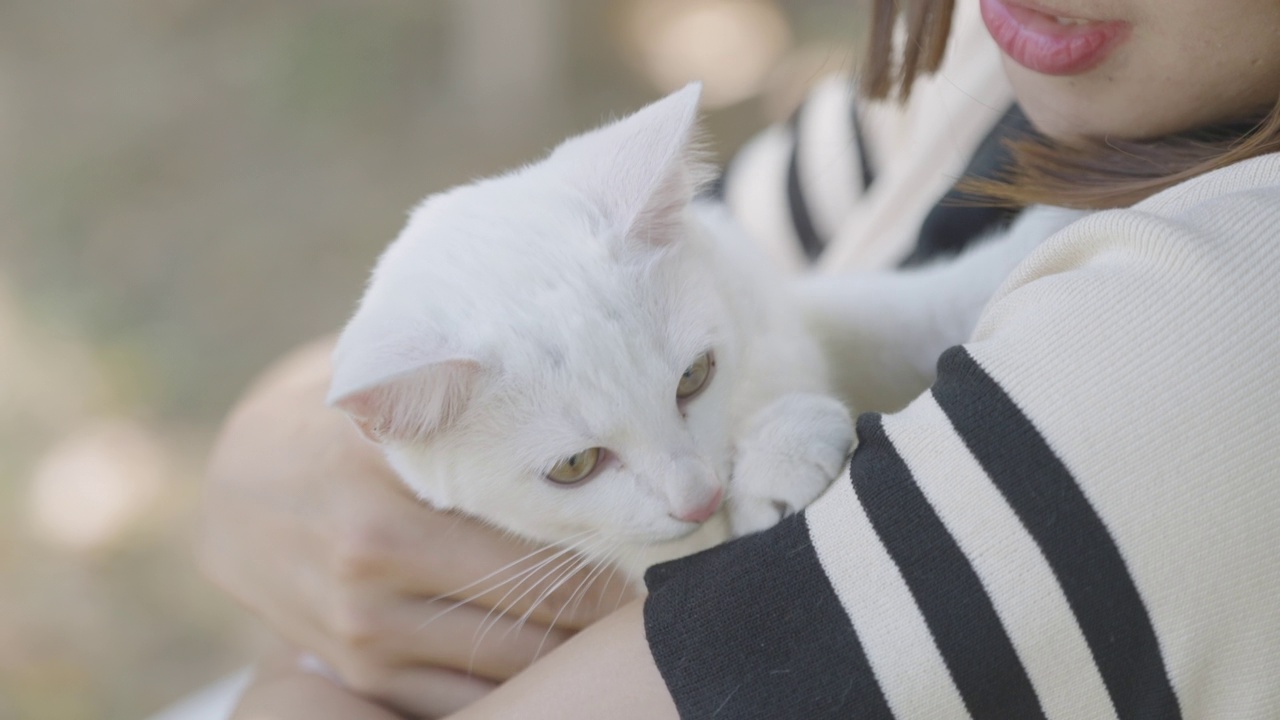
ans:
x=1092 y=175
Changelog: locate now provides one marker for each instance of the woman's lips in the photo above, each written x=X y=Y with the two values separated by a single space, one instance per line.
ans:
x=1047 y=43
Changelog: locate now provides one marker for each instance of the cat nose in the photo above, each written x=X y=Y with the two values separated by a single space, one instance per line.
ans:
x=701 y=512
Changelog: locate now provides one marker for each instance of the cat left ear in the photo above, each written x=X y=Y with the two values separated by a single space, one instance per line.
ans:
x=408 y=405
x=644 y=169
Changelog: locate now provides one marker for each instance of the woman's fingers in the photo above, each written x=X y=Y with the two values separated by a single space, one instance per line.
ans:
x=301 y=696
x=367 y=641
x=480 y=642
x=287 y=685
x=433 y=693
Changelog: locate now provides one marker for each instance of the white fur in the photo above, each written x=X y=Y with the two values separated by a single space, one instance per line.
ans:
x=888 y=328
x=521 y=319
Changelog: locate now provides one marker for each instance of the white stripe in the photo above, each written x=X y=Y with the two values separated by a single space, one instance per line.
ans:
x=1016 y=576
x=829 y=160
x=898 y=644
x=755 y=189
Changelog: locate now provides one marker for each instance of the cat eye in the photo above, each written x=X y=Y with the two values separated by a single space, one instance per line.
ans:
x=696 y=376
x=575 y=468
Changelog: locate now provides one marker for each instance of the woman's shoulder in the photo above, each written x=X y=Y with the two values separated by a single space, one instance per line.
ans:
x=1187 y=270
x=1213 y=221
x=1253 y=182
x=1209 y=227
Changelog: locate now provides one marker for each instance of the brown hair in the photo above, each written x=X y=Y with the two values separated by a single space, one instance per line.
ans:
x=1094 y=175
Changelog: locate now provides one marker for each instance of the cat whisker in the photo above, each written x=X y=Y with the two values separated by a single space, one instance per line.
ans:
x=582 y=548
x=499 y=609
x=585 y=586
x=575 y=599
x=583 y=563
x=559 y=580
x=572 y=550
x=605 y=590
x=545 y=548
x=517 y=578
x=606 y=562
x=497 y=612
x=563 y=571
x=637 y=553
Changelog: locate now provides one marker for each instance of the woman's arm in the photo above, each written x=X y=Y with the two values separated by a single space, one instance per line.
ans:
x=300 y=696
x=606 y=671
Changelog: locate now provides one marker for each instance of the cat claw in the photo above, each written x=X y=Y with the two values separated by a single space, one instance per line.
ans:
x=791 y=452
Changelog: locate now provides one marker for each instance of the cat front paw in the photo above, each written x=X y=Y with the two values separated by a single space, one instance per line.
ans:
x=790 y=452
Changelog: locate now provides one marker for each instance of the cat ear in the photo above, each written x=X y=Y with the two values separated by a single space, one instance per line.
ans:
x=400 y=398
x=643 y=170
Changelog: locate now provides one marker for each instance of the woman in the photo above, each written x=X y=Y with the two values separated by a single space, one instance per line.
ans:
x=1075 y=521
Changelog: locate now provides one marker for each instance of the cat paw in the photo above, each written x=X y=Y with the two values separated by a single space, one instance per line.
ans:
x=789 y=453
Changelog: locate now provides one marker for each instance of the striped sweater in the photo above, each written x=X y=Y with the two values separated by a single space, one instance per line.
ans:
x=1078 y=520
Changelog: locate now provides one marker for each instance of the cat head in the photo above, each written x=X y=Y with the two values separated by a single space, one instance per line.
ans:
x=547 y=350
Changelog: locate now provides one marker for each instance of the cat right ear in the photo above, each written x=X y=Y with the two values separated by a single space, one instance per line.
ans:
x=641 y=171
x=410 y=405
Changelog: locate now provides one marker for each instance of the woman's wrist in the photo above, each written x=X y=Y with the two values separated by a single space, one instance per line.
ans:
x=604 y=671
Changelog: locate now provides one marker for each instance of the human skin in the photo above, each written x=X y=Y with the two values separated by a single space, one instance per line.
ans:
x=606 y=673
x=1184 y=64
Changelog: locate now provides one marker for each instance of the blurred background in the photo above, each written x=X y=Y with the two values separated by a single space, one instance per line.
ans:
x=188 y=188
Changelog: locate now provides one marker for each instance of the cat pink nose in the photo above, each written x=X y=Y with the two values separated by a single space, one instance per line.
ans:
x=706 y=510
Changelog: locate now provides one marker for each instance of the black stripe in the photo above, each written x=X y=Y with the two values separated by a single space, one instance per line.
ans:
x=753 y=629
x=955 y=606
x=801 y=220
x=957 y=220
x=1074 y=540
x=860 y=146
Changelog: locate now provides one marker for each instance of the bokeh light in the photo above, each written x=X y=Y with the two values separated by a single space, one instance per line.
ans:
x=730 y=45
x=96 y=484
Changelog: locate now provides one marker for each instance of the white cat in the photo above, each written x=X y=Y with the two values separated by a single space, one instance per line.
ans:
x=887 y=328
x=580 y=353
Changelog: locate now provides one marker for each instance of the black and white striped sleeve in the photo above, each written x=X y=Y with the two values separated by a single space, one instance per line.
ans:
x=792 y=186
x=1076 y=521
x=802 y=187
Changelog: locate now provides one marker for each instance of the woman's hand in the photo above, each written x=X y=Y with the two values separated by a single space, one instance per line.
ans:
x=281 y=690
x=307 y=527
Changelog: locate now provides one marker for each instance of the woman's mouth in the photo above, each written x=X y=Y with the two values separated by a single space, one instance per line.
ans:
x=1051 y=44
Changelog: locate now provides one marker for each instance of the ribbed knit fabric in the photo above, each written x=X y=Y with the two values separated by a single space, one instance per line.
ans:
x=1079 y=520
